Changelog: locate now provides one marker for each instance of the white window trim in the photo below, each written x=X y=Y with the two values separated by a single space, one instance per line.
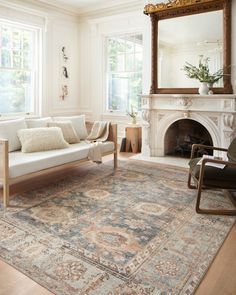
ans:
x=37 y=102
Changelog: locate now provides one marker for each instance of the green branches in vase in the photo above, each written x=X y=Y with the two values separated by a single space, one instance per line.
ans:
x=202 y=73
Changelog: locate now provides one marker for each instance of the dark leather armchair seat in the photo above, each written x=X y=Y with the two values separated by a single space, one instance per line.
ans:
x=209 y=177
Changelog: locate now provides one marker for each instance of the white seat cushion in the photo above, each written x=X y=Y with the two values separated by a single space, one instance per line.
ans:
x=22 y=164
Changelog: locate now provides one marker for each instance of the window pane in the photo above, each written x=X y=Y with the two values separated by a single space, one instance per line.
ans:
x=120 y=62
x=112 y=63
x=130 y=62
x=120 y=47
x=124 y=72
x=138 y=62
x=15 y=91
x=17 y=68
x=6 y=38
x=6 y=58
x=138 y=43
x=118 y=91
x=26 y=60
x=112 y=46
x=16 y=40
x=27 y=41
x=130 y=45
x=16 y=59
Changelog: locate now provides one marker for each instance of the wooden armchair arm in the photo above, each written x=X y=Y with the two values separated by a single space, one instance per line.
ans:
x=207 y=147
x=3 y=158
x=218 y=161
x=113 y=134
x=3 y=140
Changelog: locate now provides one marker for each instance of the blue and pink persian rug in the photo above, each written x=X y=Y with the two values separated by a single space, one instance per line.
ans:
x=133 y=231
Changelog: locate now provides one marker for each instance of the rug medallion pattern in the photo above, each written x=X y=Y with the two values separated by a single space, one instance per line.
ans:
x=129 y=231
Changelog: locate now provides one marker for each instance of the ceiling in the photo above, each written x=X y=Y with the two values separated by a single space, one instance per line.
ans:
x=81 y=6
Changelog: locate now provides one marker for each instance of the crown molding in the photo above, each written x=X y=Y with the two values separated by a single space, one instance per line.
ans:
x=38 y=8
x=105 y=10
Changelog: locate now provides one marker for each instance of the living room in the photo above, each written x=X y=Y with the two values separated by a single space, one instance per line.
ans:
x=134 y=223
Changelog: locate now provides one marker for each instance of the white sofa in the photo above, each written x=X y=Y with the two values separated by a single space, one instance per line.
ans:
x=17 y=166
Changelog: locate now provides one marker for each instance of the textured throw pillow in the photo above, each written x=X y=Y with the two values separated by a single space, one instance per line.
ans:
x=8 y=130
x=78 y=123
x=67 y=129
x=41 y=139
x=38 y=123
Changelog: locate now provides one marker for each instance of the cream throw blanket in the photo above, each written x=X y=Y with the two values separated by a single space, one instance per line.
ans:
x=97 y=136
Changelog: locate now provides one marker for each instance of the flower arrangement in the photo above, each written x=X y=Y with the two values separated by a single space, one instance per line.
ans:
x=202 y=72
x=133 y=114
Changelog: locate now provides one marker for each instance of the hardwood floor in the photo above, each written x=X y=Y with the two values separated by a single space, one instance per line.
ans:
x=219 y=280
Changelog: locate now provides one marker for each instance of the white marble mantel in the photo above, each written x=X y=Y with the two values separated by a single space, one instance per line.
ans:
x=217 y=113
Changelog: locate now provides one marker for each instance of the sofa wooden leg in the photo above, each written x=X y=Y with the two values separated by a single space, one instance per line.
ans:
x=5 y=194
x=115 y=160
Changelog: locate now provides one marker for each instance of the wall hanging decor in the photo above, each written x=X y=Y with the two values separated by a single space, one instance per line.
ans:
x=64 y=91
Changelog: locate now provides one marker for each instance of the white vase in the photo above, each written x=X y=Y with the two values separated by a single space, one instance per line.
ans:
x=203 y=89
x=134 y=120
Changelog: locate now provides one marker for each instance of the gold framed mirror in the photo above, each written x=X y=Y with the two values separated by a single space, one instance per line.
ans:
x=182 y=31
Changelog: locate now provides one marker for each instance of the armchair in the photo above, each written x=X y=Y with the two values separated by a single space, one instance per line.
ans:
x=209 y=177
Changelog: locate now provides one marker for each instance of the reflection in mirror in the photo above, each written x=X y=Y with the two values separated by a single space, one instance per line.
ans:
x=184 y=39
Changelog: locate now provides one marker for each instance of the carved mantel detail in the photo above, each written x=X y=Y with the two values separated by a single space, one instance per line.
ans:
x=186 y=102
x=228 y=120
x=215 y=120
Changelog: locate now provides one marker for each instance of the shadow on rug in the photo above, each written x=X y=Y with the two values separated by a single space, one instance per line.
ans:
x=129 y=231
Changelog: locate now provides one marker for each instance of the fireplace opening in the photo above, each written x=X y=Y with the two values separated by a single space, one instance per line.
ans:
x=182 y=134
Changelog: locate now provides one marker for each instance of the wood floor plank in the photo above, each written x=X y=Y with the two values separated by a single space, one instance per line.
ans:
x=220 y=278
x=13 y=282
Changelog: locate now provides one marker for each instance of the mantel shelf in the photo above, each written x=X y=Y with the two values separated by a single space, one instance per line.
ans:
x=193 y=96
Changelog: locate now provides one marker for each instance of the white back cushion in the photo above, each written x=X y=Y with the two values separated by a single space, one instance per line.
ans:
x=78 y=123
x=41 y=139
x=9 y=129
x=38 y=123
x=67 y=129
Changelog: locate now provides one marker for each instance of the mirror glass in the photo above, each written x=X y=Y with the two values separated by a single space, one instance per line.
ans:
x=185 y=39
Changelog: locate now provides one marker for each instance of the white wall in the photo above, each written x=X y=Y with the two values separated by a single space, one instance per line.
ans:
x=58 y=30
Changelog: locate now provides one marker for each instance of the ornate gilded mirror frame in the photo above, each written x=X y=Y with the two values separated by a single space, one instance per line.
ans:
x=177 y=8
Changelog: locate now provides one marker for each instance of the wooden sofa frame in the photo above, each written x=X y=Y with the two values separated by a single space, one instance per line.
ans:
x=6 y=181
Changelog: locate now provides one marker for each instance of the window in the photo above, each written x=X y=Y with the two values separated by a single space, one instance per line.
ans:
x=19 y=77
x=124 y=72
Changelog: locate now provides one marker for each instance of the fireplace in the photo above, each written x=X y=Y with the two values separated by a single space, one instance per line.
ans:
x=182 y=134
x=172 y=123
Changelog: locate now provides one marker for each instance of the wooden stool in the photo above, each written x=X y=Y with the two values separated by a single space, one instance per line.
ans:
x=133 y=139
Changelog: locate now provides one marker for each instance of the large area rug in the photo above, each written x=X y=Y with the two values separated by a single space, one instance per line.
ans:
x=130 y=231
